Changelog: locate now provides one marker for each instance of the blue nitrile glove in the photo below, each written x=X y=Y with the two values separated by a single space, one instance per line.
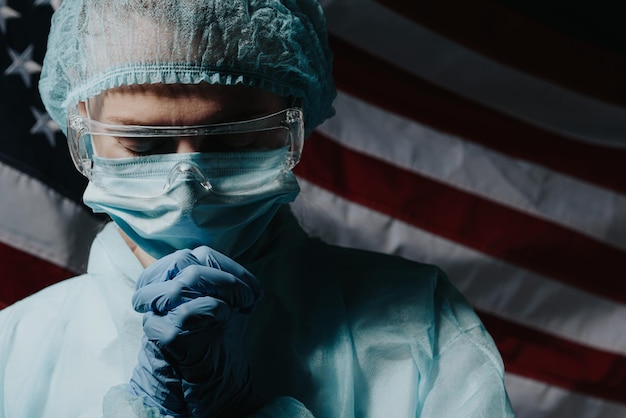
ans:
x=195 y=305
x=154 y=379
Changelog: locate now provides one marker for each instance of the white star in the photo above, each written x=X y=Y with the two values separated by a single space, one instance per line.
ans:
x=54 y=3
x=6 y=13
x=44 y=125
x=23 y=64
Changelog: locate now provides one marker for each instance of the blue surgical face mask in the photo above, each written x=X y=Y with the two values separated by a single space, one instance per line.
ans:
x=246 y=191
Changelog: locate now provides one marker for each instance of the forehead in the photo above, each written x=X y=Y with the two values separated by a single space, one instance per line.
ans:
x=182 y=104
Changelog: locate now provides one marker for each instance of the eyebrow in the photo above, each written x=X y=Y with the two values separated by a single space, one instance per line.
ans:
x=217 y=119
x=121 y=120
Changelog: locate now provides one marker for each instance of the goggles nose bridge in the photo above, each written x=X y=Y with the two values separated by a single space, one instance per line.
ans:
x=187 y=169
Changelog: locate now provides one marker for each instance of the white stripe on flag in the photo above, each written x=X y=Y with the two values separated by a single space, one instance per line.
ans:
x=43 y=223
x=532 y=399
x=404 y=43
x=527 y=187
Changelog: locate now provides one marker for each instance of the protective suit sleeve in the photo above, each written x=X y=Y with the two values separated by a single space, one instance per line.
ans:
x=467 y=375
x=120 y=402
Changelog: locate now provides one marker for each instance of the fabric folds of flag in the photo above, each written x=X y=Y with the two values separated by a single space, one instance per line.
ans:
x=45 y=232
x=472 y=134
x=481 y=139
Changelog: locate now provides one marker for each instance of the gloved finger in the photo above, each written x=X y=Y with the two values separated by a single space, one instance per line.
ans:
x=169 y=266
x=210 y=257
x=186 y=318
x=219 y=284
x=190 y=283
x=162 y=297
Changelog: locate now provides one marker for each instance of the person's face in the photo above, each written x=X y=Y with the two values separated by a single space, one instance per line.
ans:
x=176 y=105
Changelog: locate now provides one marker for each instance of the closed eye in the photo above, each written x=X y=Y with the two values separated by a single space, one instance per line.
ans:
x=146 y=146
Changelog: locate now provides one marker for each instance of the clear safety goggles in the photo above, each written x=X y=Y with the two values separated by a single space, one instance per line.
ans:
x=95 y=147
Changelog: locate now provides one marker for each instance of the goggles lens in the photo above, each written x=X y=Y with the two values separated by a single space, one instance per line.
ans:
x=100 y=151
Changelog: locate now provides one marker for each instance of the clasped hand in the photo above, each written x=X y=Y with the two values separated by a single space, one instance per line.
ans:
x=192 y=363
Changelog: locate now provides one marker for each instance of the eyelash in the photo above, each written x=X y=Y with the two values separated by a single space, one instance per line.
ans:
x=128 y=146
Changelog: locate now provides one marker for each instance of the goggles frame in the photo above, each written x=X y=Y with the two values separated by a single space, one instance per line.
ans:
x=81 y=128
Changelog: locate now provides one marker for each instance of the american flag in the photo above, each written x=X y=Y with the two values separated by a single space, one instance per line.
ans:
x=485 y=136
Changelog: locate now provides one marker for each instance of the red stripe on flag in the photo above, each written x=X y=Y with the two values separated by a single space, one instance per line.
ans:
x=397 y=91
x=520 y=42
x=544 y=357
x=502 y=232
x=26 y=274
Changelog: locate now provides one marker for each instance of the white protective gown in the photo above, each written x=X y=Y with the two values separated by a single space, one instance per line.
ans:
x=348 y=333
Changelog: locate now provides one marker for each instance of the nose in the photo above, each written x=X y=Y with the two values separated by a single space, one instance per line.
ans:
x=188 y=144
x=187 y=170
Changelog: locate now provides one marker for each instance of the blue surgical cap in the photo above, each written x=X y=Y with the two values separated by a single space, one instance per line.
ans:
x=280 y=46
